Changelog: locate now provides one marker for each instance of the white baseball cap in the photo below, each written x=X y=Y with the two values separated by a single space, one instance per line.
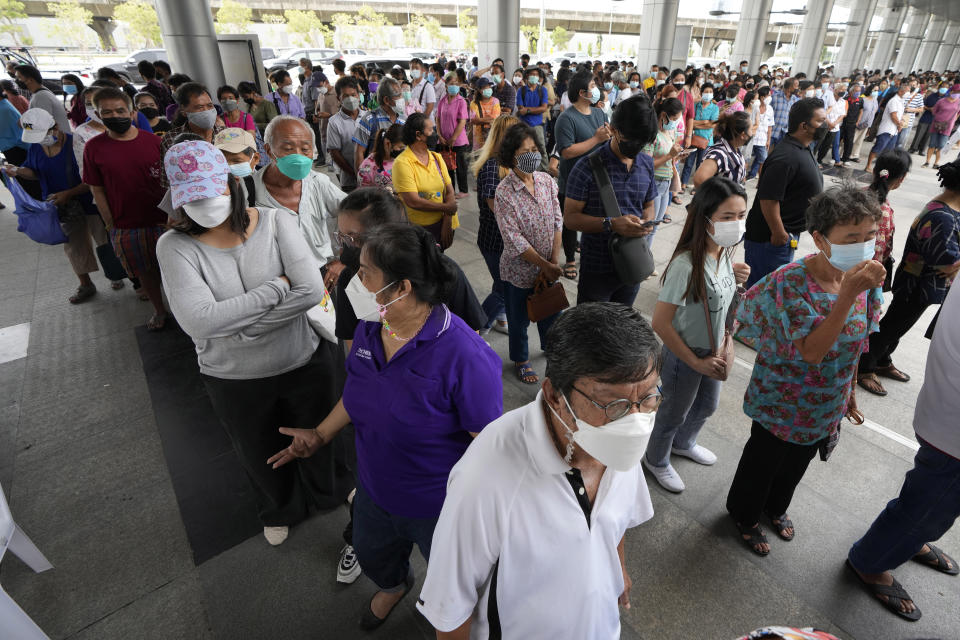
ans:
x=36 y=122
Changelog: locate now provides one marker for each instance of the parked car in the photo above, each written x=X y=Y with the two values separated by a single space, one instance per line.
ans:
x=128 y=67
x=51 y=76
x=426 y=55
x=354 y=52
x=268 y=53
x=290 y=59
x=382 y=64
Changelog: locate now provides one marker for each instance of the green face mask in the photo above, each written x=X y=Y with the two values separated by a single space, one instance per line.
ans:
x=295 y=166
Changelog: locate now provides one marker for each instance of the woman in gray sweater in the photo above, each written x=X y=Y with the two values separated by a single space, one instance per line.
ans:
x=239 y=281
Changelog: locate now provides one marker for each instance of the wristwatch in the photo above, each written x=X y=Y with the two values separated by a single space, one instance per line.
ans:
x=606 y=225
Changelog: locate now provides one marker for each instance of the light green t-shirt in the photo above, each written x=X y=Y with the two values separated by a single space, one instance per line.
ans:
x=690 y=321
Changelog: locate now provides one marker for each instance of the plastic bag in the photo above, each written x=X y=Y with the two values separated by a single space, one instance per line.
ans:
x=37 y=219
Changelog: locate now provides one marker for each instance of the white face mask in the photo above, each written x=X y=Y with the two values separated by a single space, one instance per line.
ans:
x=767 y=100
x=619 y=444
x=92 y=114
x=209 y=212
x=364 y=301
x=809 y=93
x=517 y=79
x=288 y=89
x=726 y=234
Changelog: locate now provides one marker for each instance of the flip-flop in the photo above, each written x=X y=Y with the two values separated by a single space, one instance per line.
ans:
x=892 y=372
x=894 y=593
x=937 y=559
x=666 y=219
x=677 y=200
x=871 y=377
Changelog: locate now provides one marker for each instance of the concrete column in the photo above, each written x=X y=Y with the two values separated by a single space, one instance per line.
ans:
x=855 y=37
x=951 y=38
x=105 y=28
x=954 y=63
x=932 y=42
x=498 y=32
x=658 y=25
x=189 y=38
x=917 y=23
x=810 y=40
x=893 y=18
x=751 y=33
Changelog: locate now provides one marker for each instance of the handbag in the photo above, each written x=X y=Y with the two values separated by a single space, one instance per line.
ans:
x=728 y=358
x=632 y=259
x=941 y=127
x=449 y=158
x=699 y=142
x=888 y=278
x=37 y=219
x=546 y=300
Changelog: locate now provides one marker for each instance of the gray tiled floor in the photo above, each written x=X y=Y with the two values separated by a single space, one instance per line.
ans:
x=81 y=463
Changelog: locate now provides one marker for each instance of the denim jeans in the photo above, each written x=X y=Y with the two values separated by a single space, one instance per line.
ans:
x=493 y=304
x=605 y=287
x=902 y=137
x=759 y=157
x=383 y=541
x=660 y=204
x=928 y=505
x=691 y=164
x=517 y=321
x=689 y=398
x=837 y=138
x=765 y=258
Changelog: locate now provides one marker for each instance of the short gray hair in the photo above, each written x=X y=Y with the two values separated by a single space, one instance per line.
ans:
x=618 y=76
x=271 y=129
x=845 y=204
x=388 y=87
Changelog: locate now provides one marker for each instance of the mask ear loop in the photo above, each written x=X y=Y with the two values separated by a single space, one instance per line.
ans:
x=568 y=458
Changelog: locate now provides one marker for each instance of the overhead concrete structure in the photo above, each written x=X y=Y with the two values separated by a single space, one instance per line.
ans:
x=658 y=25
x=190 y=40
x=951 y=41
x=886 y=45
x=931 y=43
x=812 y=33
x=754 y=22
x=853 y=50
x=498 y=32
x=917 y=22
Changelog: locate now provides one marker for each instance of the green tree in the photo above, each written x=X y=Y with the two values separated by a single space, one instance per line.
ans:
x=560 y=37
x=308 y=27
x=435 y=32
x=365 y=28
x=468 y=28
x=140 y=20
x=532 y=33
x=233 y=17
x=70 y=21
x=411 y=30
x=10 y=11
x=590 y=50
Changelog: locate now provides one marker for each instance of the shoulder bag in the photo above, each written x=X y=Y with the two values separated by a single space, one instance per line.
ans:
x=546 y=300
x=632 y=259
x=728 y=356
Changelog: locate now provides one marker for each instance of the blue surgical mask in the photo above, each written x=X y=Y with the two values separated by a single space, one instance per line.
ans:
x=594 y=95
x=453 y=90
x=847 y=256
x=634 y=84
x=431 y=78
x=670 y=125
x=241 y=169
x=942 y=90
x=874 y=94
x=707 y=97
x=608 y=85
x=70 y=89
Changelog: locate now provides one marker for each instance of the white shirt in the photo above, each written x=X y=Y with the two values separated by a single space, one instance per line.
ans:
x=894 y=105
x=508 y=501
x=340 y=128
x=763 y=121
x=81 y=136
x=317 y=218
x=424 y=93
x=625 y=93
x=836 y=112
x=940 y=393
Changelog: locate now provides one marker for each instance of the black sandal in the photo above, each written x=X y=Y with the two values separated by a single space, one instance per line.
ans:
x=781 y=524
x=895 y=594
x=937 y=559
x=570 y=270
x=756 y=537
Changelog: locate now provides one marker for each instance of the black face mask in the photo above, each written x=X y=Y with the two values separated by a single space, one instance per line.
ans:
x=629 y=148
x=821 y=133
x=395 y=152
x=150 y=112
x=249 y=101
x=118 y=125
x=678 y=85
x=350 y=256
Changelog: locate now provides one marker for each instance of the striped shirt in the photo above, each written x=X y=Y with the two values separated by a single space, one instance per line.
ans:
x=488 y=234
x=369 y=124
x=729 y=160
x=916 y=102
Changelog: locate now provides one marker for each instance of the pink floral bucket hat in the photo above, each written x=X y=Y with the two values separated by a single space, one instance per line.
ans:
x=196 y=170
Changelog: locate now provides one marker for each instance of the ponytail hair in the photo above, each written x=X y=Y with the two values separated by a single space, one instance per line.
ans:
x=733 y=124
x=409 y=252
x=890 y=166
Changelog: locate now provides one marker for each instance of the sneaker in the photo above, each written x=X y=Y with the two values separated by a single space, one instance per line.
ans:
x=348 y=569
x=700 y=455
x=667 y=476
x=276 y=535
x=500 y=326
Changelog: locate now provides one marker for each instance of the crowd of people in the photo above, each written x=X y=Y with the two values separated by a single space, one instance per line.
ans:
x=344 y=352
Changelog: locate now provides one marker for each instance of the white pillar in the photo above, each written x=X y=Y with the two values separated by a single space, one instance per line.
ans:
x=893 y=18
x=498 y=32
x=751 y=33
x=932 y=41
x=658 y=25
x=917 y=23
x=855 y=37
x=189 y=38
x=954 y=63
x=810 y=41
x=951 y=38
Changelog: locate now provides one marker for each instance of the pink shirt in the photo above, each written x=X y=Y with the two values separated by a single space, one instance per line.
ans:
x=449 y=114
x=244 y=122
x=526 y=220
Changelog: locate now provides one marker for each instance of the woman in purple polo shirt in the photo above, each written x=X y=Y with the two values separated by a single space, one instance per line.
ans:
x=420 y=384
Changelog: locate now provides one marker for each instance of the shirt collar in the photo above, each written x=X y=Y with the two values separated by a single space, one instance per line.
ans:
x=540 y=446
x=515 y=182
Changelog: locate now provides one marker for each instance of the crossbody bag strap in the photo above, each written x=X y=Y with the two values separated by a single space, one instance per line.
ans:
x=706 y=312
x=607 y=197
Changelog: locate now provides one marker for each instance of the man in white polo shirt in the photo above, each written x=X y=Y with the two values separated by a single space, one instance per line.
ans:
x=530 y=541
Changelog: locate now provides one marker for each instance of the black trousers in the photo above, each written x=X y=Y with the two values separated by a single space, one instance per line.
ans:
x=826 y=146
x=848 y=131
x=921 y=138
x=458 y=176
x=569 y=238
x=251 y=411
x=769 y=471
x=901 y=315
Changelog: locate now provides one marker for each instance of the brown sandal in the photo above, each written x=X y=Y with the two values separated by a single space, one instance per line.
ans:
x=892 y=372
x=871 y=383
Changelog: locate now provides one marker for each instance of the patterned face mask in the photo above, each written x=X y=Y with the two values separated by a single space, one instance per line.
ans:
x=528 y=162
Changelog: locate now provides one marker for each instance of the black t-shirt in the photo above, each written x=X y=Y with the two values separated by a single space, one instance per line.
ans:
x=462 y=301
x=791 y=176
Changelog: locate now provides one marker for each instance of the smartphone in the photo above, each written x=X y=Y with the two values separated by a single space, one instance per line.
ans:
x=651 y=223
x=690 y=148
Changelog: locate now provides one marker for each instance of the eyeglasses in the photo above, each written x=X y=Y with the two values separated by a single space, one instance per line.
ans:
x=619 y=408
x=351 y=241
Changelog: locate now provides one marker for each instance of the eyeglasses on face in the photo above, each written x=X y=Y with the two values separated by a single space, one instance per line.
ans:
x=618 y=408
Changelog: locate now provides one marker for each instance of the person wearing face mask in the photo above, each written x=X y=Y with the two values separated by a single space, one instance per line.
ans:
x=284 y=98
x=503 y=90
x=161 y=94
x=724 y=157
x=922 y=137
x=411 y=104
x=809 y=321
x=564 y=469
x=696 y=292
x=196 y=114
x=240 y=280
x=437 y=384
x=421 y=89
x=452 y=114
x=29 y=77
x=944 y=116
x=376 y=170
x=239 y=147
x=782 y=102
x=763 y=122
x=665 y=152
x=631 y=175
x=867 y=115
x=12 y=146
x=848 y=128
x=704 y=122
x=340 y=128
x=262 y=110
x=233 y=117
x=392 y=110
x=836 y=112
x=891 y=123
x=791 y=178
x=147 y=106
x=484 y=109
x=73 y=87
x=530 y=222
x=532 y=102
x=123 y=168
x=50 y=161
x=518 y=77
x=913 y=106
x=12 y=93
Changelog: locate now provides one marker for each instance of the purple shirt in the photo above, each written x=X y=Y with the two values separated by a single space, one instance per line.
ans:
x=449 y=114
x=292 y=107
x=413 y=415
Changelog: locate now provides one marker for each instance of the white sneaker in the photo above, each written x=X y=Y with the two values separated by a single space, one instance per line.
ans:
x=667 y=476
x=500 y=326
x=700 y=455
x=348 y=569
x=276 y=535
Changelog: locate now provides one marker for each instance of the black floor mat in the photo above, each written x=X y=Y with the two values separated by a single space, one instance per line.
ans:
x=216 y=500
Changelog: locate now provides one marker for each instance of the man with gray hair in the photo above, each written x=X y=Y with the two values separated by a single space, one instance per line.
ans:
x=289 y=184
x=390 y=111
x=527 y=540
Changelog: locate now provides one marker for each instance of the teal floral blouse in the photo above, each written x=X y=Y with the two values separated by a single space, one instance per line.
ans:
x=797 y=401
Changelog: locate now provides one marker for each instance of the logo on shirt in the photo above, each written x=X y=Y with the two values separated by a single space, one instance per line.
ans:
x=363 y=353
